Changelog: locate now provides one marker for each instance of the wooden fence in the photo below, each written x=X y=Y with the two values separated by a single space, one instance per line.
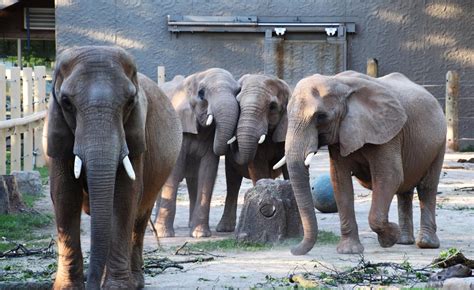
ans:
x=22 y=112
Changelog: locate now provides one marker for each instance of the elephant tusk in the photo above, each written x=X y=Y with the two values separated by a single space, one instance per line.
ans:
x=128 y=168
x=308 y=159
x=262 y=139
x=209 y=120
x=77 y=167
x=280 y=163
x=231 y=140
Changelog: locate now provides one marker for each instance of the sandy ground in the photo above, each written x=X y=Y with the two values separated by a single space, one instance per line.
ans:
x=241 y=269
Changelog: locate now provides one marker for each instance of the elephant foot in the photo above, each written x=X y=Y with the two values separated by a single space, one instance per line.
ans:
x=427 y=241
x=138 y=279
x=117 y=284
x=225 y=226
x=201 y=231
x=389 y=235
x=350 y=246
x=163 y=231
x=58 y=284
x=406 y=239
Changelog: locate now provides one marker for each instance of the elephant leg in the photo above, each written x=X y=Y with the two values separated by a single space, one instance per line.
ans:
x=66 y=194
x=139 y=229
x=192 y=184
x=387 y=175
x=233 y=182
x=405 y=218
x=259 y=169
x=167 y=210
x=344 y=196
x=427 y=191
x=126 y=198
x=207 y=179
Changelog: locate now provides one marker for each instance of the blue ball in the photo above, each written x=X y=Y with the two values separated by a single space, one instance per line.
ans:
x=323 y=194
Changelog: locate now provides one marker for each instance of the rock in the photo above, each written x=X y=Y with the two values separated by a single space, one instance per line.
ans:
x=459 y=284
x=270 y=213
x=29 y=182
x=323 y=194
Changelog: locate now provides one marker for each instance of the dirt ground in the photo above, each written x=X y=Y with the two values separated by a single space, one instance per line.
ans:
x=243 y=269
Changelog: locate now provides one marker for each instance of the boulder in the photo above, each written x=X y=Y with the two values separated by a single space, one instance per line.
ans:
x=270 y=213
x=29 y=182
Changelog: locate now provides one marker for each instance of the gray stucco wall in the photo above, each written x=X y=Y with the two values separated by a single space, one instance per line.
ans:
x=422 y=39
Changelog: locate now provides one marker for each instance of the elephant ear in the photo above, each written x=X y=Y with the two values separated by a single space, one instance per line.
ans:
x=181 y=101
x=59 y=137
x=135 y=125
x=284 y=94
x=374 y=116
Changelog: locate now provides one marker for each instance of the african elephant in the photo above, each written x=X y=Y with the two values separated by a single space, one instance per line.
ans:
x=206 y=104
x=259 y=141
x=112 y=138
x=388 y=132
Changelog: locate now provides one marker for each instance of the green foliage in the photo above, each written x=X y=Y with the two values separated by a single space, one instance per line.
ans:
x=443 y=255
x=226 y=245
x=20 y=227
x=30 y=199
x=44 y=173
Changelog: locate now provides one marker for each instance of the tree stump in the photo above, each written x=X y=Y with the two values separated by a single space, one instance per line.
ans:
x=4 y=199
x=15 y=201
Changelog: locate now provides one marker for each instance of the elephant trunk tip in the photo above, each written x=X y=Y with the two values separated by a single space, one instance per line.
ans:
x=303 y=247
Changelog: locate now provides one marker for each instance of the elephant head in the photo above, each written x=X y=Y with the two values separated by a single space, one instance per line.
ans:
x=263 y=100
x=347 y=110
x=97 y=118
x=207 y=100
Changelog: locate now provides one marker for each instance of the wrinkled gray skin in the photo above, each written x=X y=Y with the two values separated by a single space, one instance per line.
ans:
x=269 y=214
x=211 y=92
x=102 y=111
x=262 y=100
x=388 y=132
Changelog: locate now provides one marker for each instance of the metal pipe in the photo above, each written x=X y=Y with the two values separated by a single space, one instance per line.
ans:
x=253 y=24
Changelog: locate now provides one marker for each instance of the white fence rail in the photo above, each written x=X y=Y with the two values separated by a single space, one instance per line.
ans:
x=22 y=111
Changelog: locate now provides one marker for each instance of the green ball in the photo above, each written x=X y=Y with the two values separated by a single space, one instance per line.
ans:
x=323 y=194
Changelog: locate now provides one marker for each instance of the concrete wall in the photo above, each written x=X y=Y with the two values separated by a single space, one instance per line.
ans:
x=422 y=39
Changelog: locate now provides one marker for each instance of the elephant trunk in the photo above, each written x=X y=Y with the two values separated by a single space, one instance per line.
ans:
x=226 y=114
x=299 y=143
x=101 y=168
x=100 y=148
x=249 y=130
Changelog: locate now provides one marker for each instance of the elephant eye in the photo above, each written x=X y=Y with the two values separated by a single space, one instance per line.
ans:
x=321 y=117
x=66 y=103
x=273 y=106
x=201 y=94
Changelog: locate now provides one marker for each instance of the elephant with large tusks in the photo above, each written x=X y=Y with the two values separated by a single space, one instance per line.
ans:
x=208 y=110
x=112 y=138
x=388 y=132
x=259 y=141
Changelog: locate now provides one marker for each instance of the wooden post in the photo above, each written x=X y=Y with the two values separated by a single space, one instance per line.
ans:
x=27 y=77
x=15 y=103
x=452 y=112
x=3 y=116
x=40 y=105
x=161 y=75
x=373 y=67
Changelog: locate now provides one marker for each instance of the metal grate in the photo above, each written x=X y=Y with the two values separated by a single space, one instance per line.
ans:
x=39 y=18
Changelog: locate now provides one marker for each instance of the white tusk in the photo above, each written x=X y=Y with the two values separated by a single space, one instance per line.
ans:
x=262 y=139
x=209 y=120
x=310 y=156
x=77 y=167
x=128 y=167
x=231 y=140
x=280 y=163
